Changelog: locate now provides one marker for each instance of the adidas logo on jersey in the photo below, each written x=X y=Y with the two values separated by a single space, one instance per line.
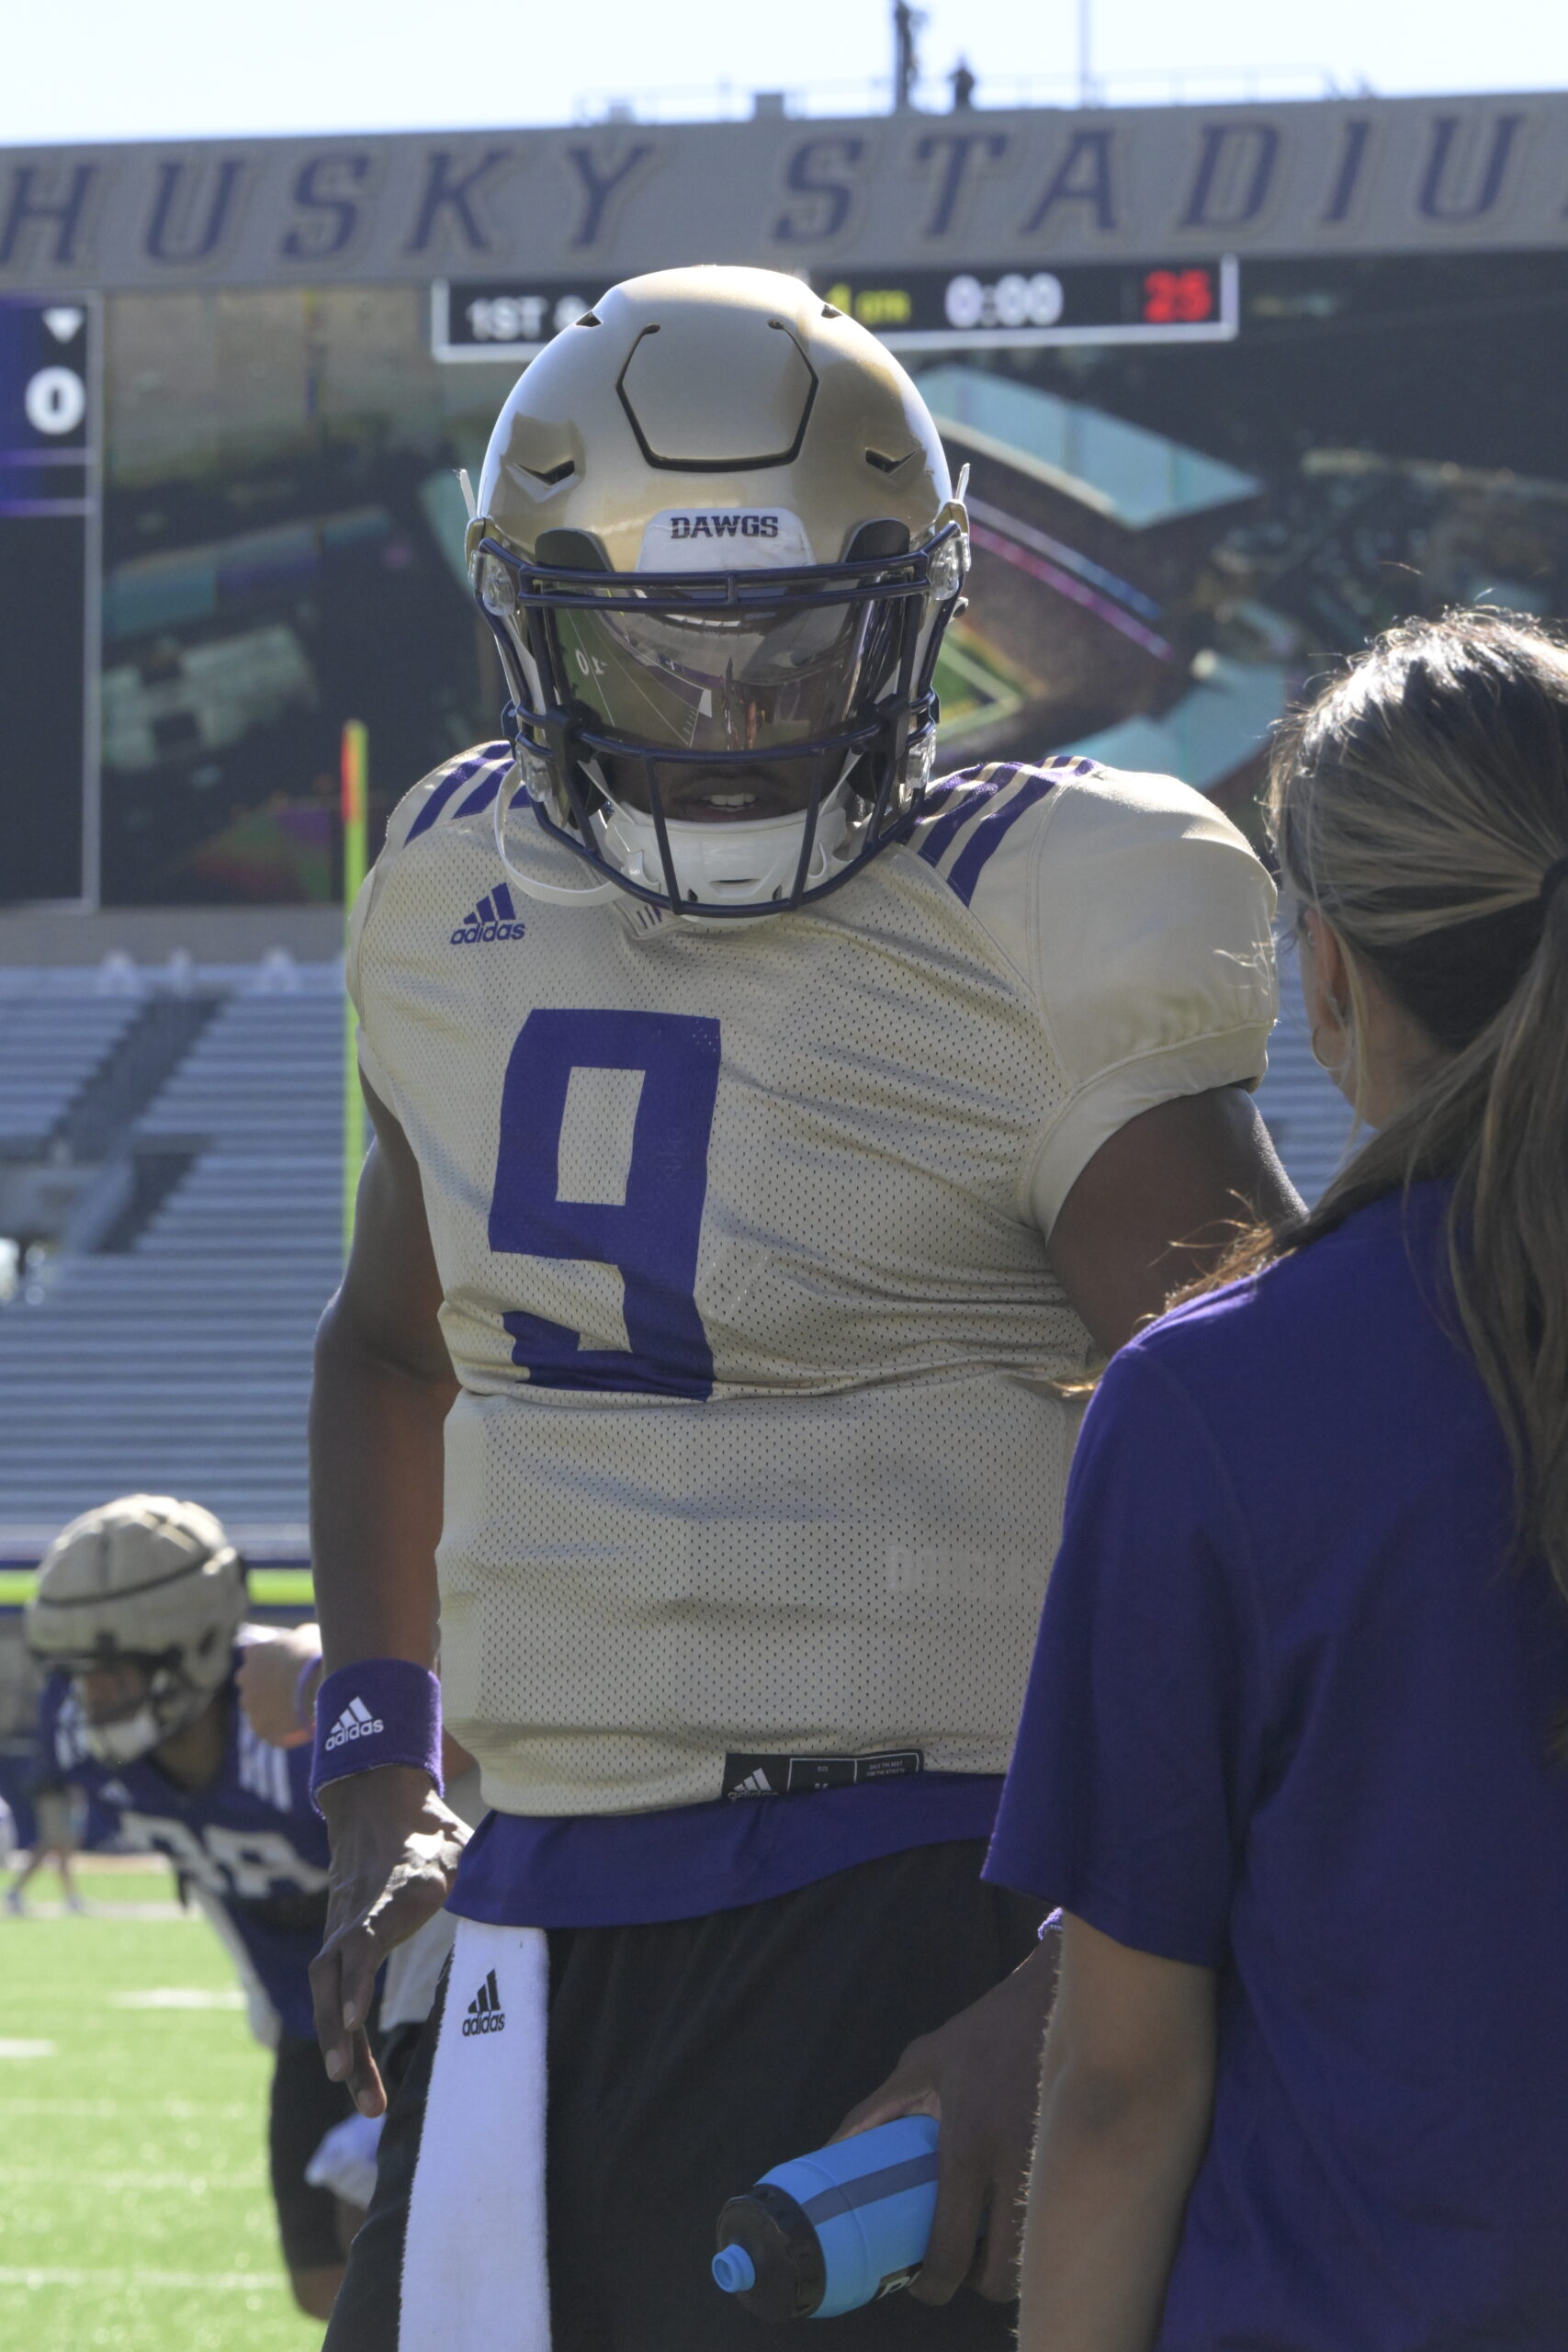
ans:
x=495 y=916
x=756 y=1784
x=485 y=2012
x=356 y=1722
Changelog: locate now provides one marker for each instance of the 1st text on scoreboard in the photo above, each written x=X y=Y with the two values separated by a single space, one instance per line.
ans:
x=1022 y=307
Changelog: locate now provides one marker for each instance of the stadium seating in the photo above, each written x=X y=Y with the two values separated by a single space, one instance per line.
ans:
x=56 y=1029
x=1306 y=1114
x=180 y=1362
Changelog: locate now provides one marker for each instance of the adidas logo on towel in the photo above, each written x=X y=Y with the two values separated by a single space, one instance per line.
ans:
x=495 y=916
x=485 y=2012
x=356 y=1722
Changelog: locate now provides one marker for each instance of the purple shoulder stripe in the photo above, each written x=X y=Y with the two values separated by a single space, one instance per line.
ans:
x=988 y=835
x=453 y=781
x=970 y=799
x=483 y=793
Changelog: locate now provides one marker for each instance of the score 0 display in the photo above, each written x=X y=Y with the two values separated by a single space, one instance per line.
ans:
x=48 y=522
x=1022 y=307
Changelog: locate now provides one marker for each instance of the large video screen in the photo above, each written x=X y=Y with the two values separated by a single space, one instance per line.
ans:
x=1171 y=535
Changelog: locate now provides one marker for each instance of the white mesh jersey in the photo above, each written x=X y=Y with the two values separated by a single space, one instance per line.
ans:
x=742 y=1231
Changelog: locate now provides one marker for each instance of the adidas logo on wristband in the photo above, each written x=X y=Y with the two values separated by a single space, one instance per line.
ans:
x=356 y=1722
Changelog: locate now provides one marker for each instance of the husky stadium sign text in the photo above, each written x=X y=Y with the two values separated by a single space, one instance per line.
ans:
x=1018 y=189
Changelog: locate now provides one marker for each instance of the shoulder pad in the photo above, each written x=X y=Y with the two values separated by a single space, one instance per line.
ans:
x=460 y=788
x=968 y=815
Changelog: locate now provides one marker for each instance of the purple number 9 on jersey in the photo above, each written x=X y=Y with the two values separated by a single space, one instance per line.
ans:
x=645 y=1220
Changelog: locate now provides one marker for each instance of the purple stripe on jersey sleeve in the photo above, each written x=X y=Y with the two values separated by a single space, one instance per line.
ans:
x=483 y=793
x=970 y=801
x=988 y=835
x=454 y=780
x=449 y=784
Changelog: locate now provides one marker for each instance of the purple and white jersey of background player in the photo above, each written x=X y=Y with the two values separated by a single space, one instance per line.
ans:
x=251 y=1849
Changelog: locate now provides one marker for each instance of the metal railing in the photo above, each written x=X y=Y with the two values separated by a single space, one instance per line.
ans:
x=1132 y=86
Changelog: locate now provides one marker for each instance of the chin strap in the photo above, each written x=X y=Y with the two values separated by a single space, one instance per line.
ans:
x=556 y=894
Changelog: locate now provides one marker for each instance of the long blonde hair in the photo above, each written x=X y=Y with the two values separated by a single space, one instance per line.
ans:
x=1420 y=805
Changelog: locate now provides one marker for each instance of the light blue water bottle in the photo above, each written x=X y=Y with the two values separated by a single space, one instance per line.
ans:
x=827 y=2233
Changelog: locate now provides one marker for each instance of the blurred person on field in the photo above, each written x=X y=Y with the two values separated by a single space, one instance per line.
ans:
x=1294 y=1756
x=59 y=1812
x=139 y=1618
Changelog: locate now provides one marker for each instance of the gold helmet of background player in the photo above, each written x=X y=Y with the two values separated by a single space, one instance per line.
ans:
x=718 y=543
x=148 y=1581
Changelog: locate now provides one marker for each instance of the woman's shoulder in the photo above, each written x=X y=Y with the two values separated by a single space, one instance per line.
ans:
x=1368 y=1275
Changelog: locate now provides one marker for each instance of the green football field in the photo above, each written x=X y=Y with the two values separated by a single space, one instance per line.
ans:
x=134 y=2208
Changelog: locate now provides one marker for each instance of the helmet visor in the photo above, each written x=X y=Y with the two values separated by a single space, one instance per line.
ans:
x=751 y=695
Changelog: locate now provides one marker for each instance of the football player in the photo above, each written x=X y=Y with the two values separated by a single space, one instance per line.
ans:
x=766 y=1140
x=138 y=1618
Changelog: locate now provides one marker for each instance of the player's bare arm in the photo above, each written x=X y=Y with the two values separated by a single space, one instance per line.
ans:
x=383 y=1388
x=1155 y=1206
x=1160 y=1202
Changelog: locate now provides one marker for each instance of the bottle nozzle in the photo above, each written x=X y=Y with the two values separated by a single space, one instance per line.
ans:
x=733 y=2270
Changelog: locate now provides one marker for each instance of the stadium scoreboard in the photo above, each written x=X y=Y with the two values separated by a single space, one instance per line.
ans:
x=1019 y=307
x=49 y=599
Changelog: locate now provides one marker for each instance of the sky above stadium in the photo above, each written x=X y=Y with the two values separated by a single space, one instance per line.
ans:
x=185 y=68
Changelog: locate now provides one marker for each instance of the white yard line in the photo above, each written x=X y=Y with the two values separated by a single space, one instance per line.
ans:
x=181 y=2110
x=110 y=1910
x=113 y=2183
x=205 y=2283
x=181 y=1996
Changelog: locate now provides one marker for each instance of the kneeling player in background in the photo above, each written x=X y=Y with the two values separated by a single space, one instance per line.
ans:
x=139 y=1615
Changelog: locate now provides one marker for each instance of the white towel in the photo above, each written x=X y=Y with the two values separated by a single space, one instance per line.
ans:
x=345 y=2160
x=475 y=2269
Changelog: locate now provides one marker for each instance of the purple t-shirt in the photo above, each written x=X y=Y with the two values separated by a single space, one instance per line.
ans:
x=623 y=1869
x=1288 y=1720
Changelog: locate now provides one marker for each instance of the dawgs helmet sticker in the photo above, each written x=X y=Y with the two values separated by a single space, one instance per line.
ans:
x=723 y=539
x=718 y=525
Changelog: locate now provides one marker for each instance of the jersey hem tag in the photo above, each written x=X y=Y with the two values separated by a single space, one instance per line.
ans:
x=791 y=1776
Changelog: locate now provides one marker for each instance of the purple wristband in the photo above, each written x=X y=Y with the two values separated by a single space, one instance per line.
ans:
x=383 y=1711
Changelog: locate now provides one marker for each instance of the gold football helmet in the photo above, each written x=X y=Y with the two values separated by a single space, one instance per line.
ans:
x=718 y=543
x=144 y=1581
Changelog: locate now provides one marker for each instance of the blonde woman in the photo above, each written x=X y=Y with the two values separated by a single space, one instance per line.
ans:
x=1292 y=1760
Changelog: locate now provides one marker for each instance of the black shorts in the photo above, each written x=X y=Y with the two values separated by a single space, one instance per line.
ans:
x=303 y=2109
x=687 y=2059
